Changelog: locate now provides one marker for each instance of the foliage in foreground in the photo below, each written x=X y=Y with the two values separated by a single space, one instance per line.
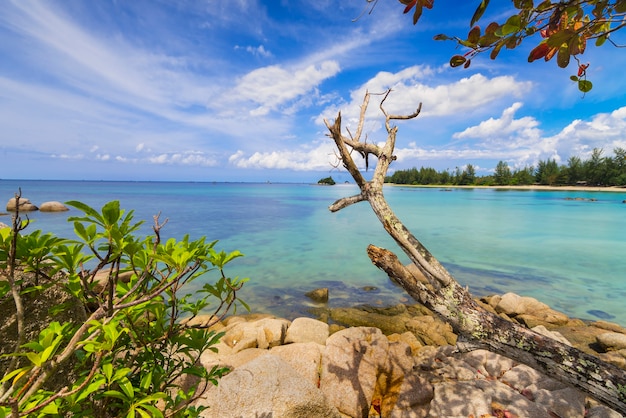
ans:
x=563 y=29
x=130 y=354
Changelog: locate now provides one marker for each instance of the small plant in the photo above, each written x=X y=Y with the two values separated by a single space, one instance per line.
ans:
x=130 y=355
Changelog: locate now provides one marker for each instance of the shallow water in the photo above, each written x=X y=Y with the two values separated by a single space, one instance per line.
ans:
x=566 y=253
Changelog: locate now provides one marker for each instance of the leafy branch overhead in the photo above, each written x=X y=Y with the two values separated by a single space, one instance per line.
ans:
x=563 y=28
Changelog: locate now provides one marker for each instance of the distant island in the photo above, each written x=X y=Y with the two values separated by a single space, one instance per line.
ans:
x=327 y=181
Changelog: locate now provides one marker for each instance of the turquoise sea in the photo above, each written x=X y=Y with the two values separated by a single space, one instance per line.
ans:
x=570 y=254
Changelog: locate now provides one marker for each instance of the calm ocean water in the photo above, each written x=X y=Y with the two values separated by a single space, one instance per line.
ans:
x=569 y=254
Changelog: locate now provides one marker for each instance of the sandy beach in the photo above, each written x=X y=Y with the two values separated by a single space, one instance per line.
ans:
x=621 y=189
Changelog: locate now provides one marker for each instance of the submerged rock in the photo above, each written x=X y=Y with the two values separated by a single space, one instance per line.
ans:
x=318 y=295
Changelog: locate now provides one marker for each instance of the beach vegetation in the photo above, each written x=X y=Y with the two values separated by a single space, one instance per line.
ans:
x=114 y=335
x=598 y=170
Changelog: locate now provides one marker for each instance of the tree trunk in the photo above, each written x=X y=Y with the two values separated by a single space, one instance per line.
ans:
x=441 y=293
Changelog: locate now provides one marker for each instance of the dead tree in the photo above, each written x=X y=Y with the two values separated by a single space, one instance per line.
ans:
x=441 y=293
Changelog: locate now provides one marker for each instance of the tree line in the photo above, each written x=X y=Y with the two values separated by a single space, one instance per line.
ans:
x=598 y=170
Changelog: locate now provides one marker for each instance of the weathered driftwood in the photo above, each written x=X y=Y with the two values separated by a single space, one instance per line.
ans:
x=441 y=293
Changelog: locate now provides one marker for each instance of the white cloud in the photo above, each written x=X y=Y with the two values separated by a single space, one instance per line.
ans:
x=410 y=87
x=258 y=51
x=275 y=86
x=319 y=157
x=521 y=142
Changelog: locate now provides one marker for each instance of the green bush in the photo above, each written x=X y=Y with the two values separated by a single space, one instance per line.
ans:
x=130 y=355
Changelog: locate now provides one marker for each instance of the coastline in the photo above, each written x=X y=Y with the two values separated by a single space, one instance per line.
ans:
x=615 y=189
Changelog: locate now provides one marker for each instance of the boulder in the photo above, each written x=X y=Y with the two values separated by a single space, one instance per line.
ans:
x=53 y=206
x=318 y=295
x=25 y=205
x=304 y=330
x=265 y=387
x=262 y=333
x=350 y=367
x=612 y=341
x=304 y=358
x=529 y=311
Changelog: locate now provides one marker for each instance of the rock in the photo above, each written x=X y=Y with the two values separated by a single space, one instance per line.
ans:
x=355 y=317
x=25 y=205
x=566 y=402
x=304 y=358
x=612 y=341
x=400 y=391
x=481 y=398
x=350 y=368
x=262 y=333
x=53 y=207
x=529 y=311
x=601 y=411
x=318 y=295
x=266 y=387
x=304 y=330
x=555 y=335
x=431 y=330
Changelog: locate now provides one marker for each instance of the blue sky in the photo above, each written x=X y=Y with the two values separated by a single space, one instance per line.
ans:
x=238 y=90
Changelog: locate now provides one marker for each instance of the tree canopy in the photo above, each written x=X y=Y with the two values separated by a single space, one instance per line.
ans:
x=559 y=29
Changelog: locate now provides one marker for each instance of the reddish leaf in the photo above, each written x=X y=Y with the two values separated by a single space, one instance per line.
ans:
x=496 y=50
x=427 y=3
x=409 y=6
x=467 y=63
x=582 y=69
x=551 y=53
x=539 y=51
x=474 y=35
x=418 y=13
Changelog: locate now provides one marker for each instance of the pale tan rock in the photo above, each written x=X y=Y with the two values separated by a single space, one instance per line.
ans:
x=25 y=205
x=566 y=402
x=53 y=206
x=304 y=330
x=555 y=335
x=263 y=333
x=266 y=387
x=612 y=341
x=488 y=364
x=401 y=391
x=350 y=368
x=521 y=376
x=304 y=358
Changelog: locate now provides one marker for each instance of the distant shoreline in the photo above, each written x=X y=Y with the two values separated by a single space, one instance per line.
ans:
x=523 y=187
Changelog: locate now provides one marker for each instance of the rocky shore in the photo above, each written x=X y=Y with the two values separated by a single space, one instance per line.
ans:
x=399 y=361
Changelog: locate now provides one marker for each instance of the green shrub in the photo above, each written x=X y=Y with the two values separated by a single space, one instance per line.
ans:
x=130 y=355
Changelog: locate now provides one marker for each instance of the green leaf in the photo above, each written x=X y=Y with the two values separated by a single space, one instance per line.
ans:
x=559 y=38
x=127 y=388
x=479 y=12
x=89 y=211
x=585 y=86
x=562 y=57
x=601 y=40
